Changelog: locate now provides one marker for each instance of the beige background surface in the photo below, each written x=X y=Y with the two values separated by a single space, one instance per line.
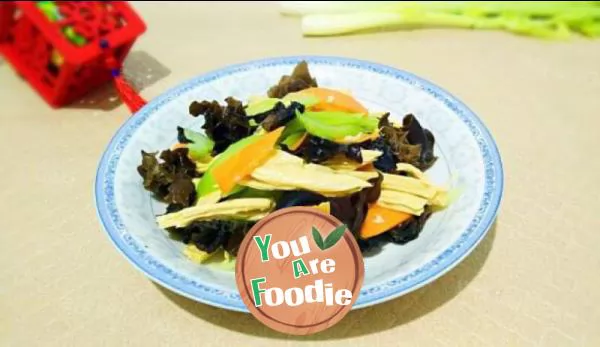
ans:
x=534 y=281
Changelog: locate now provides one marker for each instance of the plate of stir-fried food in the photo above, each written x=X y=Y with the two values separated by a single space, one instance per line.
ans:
x=411 y=171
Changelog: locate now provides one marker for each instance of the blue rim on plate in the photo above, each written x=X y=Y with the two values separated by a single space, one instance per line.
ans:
x=206 y=293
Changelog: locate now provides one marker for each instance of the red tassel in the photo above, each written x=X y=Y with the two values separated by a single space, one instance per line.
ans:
x=128 y=95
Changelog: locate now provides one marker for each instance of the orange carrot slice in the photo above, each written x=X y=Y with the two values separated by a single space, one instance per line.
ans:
x=367 y=167
x=379 y=220
x=234 y=169
x=333 y=100
x=178 y=145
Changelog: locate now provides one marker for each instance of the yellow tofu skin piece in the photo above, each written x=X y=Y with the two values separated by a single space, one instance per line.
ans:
x=401 y=208
x=411 y=170
x=287 y=170
x=412 y=193
x=409 y=185
x=358 y=138
x=340 y=162
x=196 y=255
x=363 y=175
x=246 y=208
x=260 y=185
x=412 y=202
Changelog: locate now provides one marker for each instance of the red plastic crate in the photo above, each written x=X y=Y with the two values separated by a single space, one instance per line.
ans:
x=28 y=40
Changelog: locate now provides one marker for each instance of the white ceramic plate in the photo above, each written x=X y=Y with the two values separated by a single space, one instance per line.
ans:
x=468 y=159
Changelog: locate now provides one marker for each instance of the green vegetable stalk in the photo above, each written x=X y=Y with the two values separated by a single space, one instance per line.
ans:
x=207 y=184
x=292 y=139
x=200 y=146
x=337 y=125
x=264 y=105
x=553 y=20
x=293 y=131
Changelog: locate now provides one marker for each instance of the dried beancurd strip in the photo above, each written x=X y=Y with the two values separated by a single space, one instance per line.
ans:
x=256 y=184
x=209 y=199
x=363 y=175
x=409 y=185
x=241 y=208
x=401 y=208
x=413 y=202
x=284 y=169
x=342 y=163
x=411 y=170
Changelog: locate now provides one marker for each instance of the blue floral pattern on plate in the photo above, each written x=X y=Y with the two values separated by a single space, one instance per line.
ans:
x=468 y=161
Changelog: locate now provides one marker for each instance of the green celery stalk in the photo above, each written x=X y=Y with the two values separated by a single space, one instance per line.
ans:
x=337 y=24
x=201 y=146
x=342 y=118
x=540 y=19
x=267 y=104
x=301 y=8
x=293 y=127
x=293 y=131
x=539 y=8
x=293 y=138
x=305 y=99
x=207 y=184
x=589 y=28
x=261 y=106
x=336 y=125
